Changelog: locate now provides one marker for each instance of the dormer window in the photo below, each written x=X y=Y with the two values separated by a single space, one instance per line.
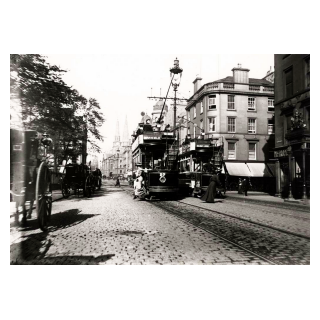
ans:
x=212 y=102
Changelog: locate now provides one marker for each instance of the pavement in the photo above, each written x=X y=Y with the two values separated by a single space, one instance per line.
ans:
x=254 y=196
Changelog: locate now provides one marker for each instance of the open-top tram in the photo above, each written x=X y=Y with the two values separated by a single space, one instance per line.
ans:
x=155 y=152
x=198 y=160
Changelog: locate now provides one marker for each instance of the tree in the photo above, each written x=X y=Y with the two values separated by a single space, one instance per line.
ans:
x=49 y=105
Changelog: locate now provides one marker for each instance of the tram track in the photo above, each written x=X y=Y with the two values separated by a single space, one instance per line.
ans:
x=267 y=243
x=250 y=221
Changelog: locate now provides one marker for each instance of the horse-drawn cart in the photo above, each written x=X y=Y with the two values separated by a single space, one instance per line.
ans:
x=30 y=176
x=79 y=179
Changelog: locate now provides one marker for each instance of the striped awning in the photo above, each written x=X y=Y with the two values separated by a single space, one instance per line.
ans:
x=238 y=169
x=259 y=170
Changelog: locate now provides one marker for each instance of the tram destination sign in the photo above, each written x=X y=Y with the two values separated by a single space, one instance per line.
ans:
x=152 y=137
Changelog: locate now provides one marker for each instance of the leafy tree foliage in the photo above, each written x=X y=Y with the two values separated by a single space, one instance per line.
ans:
x=49 y=105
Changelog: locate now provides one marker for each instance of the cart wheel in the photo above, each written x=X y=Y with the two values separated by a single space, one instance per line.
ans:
x=43 y=196
x=99 y=183
x=65 y=189
x=87 y=188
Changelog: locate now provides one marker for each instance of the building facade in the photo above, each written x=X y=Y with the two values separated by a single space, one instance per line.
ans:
x=236 y=112
x=292 y=120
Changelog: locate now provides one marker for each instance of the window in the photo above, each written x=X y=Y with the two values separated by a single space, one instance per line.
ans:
x=307 y=67
x=251 y=104
x=251 y=125
x=231 y=103
x=194 y=131
x=231 y=124
x=212 y=124
x=120 y=171
x=271 y=126
x=252 y=151
x=231 y=150
x=270 y=105
x=201 y=107
x=201 y=124
x=194 y=112
x=188 y=115
x=212 y=102
x=289 y=83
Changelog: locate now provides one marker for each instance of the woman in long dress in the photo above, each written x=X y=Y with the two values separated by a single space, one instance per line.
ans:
x=212 y=189
x=139 y=188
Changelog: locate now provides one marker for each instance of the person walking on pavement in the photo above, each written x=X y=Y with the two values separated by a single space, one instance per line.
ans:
x=240 y=187
x=245 y=186
x=117 y=182
x=212 y=189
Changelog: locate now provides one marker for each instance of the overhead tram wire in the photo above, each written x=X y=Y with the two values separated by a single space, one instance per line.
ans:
x=159 y=120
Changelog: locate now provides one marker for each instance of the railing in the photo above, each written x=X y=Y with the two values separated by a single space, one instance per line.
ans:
x=268 y=89
x=254 y=88
x=212 y=86
x=228 y=86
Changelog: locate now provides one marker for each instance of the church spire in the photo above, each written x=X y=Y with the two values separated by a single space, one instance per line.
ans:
x=117 y=136
x=125 y=135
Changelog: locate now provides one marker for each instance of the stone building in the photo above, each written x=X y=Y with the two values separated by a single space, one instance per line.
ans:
x=292 y=119
x=118 y=161
x=237 y=113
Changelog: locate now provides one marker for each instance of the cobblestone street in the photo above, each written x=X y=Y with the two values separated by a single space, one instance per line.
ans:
x=112 y=228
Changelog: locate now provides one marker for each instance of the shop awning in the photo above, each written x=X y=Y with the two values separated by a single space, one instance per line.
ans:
x=238 y=169
x=259 y=170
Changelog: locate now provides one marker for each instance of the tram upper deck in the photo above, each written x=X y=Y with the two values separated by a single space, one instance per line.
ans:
x=156 y=151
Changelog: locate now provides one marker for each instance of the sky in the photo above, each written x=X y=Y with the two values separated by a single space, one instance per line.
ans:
x=122 y=83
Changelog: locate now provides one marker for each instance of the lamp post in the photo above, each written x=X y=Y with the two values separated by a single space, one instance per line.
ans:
x=304 y=191
x=177 y=73
x=118 y=151
x=289 y=152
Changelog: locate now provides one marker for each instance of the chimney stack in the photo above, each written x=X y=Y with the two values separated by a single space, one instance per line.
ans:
x=197 y=84
x=240 y=75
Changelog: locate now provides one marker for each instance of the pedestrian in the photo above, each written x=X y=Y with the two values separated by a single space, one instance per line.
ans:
x=240 y=190
x=245 y=186
x=139 y=186
x=212 y=189
x=117 y=182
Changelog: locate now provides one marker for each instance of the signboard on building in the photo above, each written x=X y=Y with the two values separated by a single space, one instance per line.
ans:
x=280 y=153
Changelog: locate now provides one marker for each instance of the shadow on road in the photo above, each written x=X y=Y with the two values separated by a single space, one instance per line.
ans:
x=67 y=260
x=35 y=245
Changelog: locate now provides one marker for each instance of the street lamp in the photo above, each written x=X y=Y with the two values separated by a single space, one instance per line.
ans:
x=118 y=151
x=176 y=71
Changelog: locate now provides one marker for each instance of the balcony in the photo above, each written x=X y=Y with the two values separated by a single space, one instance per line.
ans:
x=268 y=89
x=254 y=88
x=228 y=86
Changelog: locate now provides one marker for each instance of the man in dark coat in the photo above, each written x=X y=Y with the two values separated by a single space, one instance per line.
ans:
x=245 y=186
x=212 y=189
